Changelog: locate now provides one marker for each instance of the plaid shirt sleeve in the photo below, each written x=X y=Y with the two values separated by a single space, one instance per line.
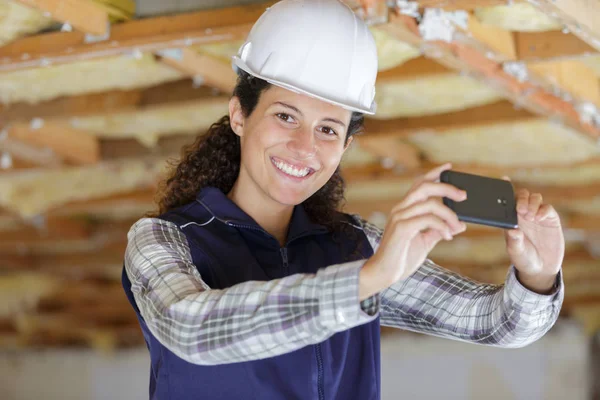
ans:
x=442 y=303
x=248 y=321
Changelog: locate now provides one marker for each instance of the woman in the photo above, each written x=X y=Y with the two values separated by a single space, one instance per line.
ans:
x=249 y=284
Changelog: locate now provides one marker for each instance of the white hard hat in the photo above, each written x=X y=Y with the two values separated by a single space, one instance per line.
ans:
x=320 y=48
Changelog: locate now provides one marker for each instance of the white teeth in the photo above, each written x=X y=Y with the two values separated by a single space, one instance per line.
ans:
x=288 y=169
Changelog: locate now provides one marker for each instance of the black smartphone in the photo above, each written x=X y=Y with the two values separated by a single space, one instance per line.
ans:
x=490 y=201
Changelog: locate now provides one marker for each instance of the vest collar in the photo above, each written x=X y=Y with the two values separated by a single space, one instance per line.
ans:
x=222 y=208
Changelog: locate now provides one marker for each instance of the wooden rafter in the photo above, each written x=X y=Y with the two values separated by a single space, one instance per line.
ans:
x=104 y=102
x=83 y=15
x=538 y=46
x=451 y=5
x=415 y=68
x=31 y=155
x=499 y=112
x=580 y=16
x=69 y=144
x=465 y=57
x=147 y=35
x=212 y=72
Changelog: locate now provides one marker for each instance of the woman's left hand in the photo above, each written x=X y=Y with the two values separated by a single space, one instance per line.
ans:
x=536 y=248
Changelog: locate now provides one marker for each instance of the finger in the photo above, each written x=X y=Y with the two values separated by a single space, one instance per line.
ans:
x=431 y=176
x=546 y=211
x=427 y=222
x=535 y=201
x=437 y=208
x=506 y=178
x=434 y=174
x=433 y=189
x=522 y=201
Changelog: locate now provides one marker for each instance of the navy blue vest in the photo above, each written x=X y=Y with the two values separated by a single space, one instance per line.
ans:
x=235 y=249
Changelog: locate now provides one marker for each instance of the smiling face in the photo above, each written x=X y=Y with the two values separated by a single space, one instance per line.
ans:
x=291 y=145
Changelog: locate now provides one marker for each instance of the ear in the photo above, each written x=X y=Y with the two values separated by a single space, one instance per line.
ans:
x=236 y=116
x=348 y=143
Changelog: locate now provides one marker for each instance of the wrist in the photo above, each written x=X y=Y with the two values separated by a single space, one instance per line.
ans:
x=371 y=280
x=538 y=283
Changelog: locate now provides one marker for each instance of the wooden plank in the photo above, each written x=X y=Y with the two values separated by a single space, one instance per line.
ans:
x=462 y=55
x=173 y=92
x=499 y=112
x=388 y=147
x=104 y=49
x=415 y=68
x=101 y=238
x=469 y=5
x=213 y=73
x=31 y=155
x=498 y=40
x=70 y=144
x=111 y=208
x=580 y=16
x=128 y=148
x=54 y=229
x=147 y=35
x=82 y=15
x=571 y=75
x=114 y=100
x=105 y=102
x=535 y=46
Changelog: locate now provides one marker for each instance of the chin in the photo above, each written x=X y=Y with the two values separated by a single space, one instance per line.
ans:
x=287 y=196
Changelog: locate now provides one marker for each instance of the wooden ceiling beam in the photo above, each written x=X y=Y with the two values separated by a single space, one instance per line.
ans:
x=468 y=5
x=389 y=147
x=82 y=15
x=30 y=156
x=72 y=145
x=105 y=102
x=579 y=16
x=103 y=238
x=146 y=35
x=418 y=67
x=463 y=55
x=93 y=103
x=540 y=46
x=498 y=112
x=210 y=71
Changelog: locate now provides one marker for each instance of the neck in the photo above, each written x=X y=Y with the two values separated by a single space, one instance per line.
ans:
x=273 y=217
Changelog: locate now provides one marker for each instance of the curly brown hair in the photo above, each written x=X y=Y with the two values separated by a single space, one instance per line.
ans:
x=214 y=160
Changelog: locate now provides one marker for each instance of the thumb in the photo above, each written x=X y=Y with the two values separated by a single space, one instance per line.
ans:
x=431 y=238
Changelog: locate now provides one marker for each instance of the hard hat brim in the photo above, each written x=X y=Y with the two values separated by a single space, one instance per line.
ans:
x=239 y=63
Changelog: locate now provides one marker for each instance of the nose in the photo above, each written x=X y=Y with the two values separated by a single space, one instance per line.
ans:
x=302 y=144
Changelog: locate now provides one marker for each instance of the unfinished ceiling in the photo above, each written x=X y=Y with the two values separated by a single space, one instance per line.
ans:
x=91 y=114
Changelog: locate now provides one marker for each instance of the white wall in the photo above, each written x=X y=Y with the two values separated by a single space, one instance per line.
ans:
x=413 y=367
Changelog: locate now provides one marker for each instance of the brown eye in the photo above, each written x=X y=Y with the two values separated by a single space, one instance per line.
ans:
x=285 y=117
x=328 y=131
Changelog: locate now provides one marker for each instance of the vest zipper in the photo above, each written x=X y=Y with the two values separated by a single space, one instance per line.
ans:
x=320 y=372
x=284 y=257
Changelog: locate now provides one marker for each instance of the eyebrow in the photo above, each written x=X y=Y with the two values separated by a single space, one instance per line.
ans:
x=333 y=120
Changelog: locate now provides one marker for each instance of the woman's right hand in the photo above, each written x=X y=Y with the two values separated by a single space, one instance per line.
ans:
x=414 y=227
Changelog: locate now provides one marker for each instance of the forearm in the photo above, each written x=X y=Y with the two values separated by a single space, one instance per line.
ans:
x=442 y=303
x=252 y=320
